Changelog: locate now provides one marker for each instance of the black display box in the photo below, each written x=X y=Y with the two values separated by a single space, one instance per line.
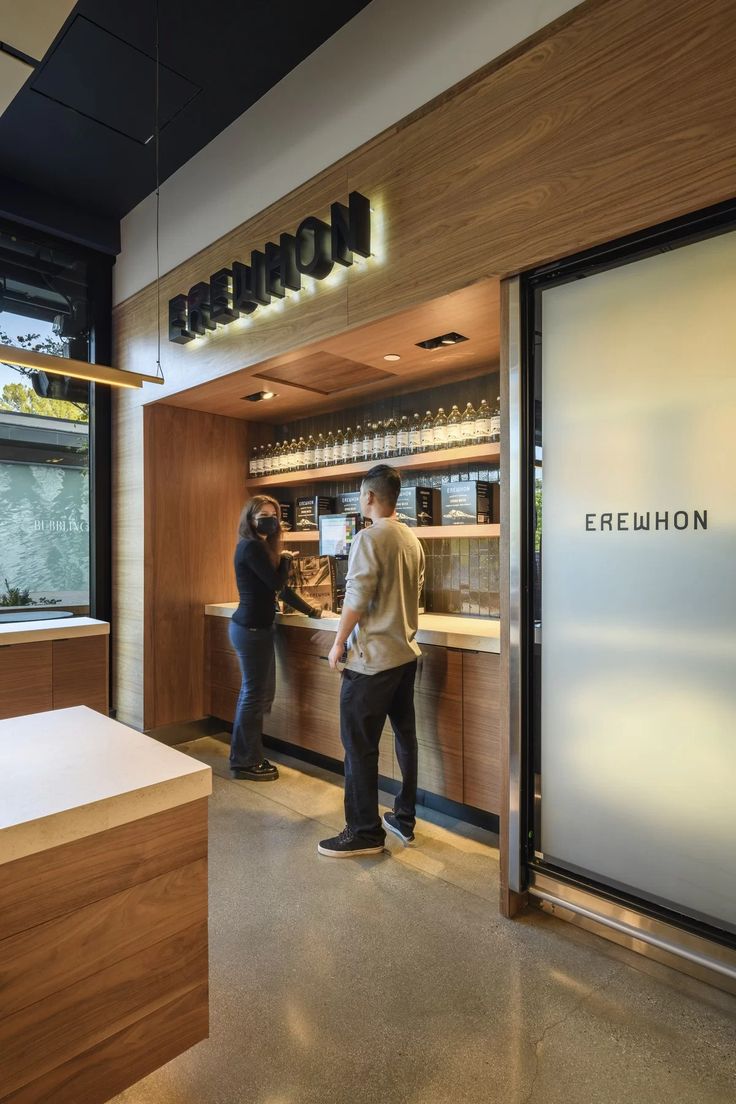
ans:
x=287 y=515
x=348 y=503
x=467 y=502
x=418 y=506
x=309 y=509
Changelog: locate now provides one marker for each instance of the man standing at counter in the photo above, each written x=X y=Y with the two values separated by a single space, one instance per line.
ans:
x=379 y=622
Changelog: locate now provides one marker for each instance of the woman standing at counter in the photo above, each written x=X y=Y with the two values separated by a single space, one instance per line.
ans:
x=261 y=571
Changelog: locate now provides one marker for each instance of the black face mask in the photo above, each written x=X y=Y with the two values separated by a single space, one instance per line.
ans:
x=269 y=526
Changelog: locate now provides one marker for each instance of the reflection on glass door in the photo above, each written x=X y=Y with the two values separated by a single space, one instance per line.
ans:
x=44 y=428
x=635 y=585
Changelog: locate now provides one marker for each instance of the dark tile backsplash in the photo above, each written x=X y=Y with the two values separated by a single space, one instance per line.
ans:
x=462 y=573
x=433 y=478
x=461 y=576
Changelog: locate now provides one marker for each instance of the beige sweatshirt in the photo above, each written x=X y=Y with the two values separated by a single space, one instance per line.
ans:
x=384 y=581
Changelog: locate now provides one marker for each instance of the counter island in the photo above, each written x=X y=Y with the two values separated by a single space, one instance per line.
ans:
x=103 y=906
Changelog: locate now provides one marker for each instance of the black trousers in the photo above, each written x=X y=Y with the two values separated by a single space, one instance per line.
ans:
x=365 y=702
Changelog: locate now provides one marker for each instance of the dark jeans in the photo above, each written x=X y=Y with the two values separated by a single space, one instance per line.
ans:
x=365 y=702
x=257 y=659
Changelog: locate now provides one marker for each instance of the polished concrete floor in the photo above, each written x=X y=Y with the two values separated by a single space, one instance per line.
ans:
x=393 y=979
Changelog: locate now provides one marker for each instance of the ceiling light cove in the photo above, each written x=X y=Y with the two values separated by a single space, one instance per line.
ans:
x=442 y=342
x=258 y=396
x=312 y=251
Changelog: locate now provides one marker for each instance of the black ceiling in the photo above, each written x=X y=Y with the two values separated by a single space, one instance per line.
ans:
x=79 y=130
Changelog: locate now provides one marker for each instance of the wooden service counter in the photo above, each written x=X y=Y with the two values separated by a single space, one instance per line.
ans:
x=457 y=692
x=103 y=906
x=53 y=664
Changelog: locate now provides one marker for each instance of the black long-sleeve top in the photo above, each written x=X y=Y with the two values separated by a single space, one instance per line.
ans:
x=259 y=582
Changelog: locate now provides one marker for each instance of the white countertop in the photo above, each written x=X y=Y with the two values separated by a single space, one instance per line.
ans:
x=27 y=632
x=71 y=773
x=474 y=634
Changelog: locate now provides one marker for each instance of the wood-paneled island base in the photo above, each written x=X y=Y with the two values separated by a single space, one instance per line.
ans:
x=456 y=699
x=103 y=906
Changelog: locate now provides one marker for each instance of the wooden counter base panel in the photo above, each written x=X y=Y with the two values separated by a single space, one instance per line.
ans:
x=64 y=879
x=456 y=700
x=54 y=674
x=103 y=959
x=119 y=1061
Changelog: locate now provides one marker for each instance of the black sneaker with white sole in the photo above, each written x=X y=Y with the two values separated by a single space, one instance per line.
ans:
x=347 y=846
x=391 y=823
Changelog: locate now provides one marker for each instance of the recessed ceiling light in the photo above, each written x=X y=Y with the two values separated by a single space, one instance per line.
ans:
x=443 y=340
x=257 y=396
x=392 y=356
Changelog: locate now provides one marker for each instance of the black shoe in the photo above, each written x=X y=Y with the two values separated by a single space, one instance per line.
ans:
x=390 y=822
x=258 y=772
x=347 y=846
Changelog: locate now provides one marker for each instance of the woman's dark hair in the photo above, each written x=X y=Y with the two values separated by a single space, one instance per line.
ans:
x=247 y=525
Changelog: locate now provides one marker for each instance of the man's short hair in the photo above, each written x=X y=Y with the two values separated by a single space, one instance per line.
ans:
x=385 y=482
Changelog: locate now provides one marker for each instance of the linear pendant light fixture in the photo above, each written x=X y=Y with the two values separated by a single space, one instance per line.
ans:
x=74 y=369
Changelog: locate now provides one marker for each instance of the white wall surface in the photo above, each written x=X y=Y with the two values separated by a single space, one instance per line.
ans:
x=389 y=60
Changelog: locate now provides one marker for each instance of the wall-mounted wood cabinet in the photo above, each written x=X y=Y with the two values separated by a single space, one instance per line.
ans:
x=456 y=703
x=54 y=674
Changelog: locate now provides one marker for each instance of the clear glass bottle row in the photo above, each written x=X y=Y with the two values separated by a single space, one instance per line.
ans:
x=375 y=441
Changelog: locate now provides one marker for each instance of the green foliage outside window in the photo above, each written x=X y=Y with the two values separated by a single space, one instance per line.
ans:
x=22 y=399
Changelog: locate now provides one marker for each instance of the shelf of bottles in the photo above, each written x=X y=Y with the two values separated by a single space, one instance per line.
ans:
x=434 y=441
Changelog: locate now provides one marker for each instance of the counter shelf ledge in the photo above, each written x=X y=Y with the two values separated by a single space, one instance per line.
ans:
x=418 y=461
x=424 y=532
x=28 y=632
x=446 y=630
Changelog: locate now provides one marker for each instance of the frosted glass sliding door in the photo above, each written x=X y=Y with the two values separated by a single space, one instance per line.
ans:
x=638 y=698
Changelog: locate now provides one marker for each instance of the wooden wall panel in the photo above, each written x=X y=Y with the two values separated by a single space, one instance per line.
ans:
x=80 y=672
x=195 y=467
x=25 y=679
x=481 y=737
x=618 y=119
x=127 y=560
